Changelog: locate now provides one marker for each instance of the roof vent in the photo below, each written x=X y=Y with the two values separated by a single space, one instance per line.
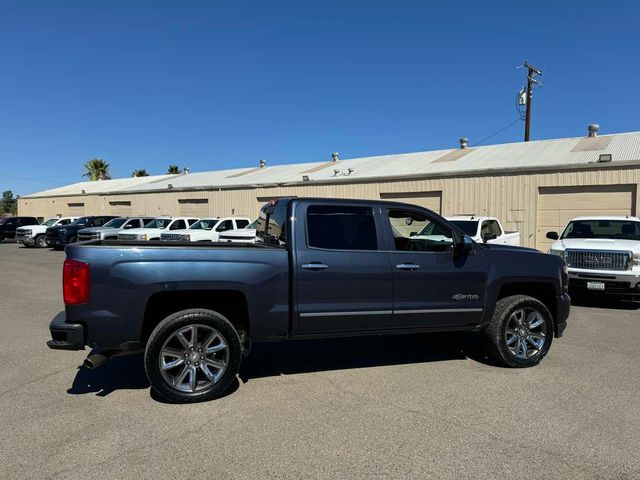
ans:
x=263 y=163
x=335 y=157
x=464 y=142
x=593 y=130
x=605 y=158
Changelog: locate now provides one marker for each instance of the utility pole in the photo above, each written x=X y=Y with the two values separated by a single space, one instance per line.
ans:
x=532 y=72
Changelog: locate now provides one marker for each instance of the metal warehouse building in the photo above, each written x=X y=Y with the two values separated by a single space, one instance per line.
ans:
x=532 y=187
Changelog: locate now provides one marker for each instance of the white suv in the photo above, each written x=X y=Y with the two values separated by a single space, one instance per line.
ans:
x=602 y=254
x=34 y=235
x=206 y=230
x=155 y=228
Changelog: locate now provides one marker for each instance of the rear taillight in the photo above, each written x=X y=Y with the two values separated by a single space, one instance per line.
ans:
x=75 y=282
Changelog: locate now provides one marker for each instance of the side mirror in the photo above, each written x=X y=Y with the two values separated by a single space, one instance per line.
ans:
x=553 y=235
x=489 y=236
x=464 y=245
x=128 y=226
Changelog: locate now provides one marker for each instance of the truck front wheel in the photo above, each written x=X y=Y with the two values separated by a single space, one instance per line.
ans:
x=193 y=355
x=520 y=332
x=41 y=241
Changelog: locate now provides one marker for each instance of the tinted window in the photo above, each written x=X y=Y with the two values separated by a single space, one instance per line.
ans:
x=224 y=226
x=66 y=221
x=178 y=225
x=272 y=223
x=616 y=229
x=490 y=227
x=416 y=232
x=470 y=227
x=242 y=223
x=341 y=227
x=82 y=221
x=191 y=221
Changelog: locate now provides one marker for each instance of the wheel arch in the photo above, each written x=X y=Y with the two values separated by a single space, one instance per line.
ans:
x=232 y=304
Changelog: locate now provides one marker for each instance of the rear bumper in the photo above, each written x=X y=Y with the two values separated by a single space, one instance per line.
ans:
x=65 y=336
x=562 y=313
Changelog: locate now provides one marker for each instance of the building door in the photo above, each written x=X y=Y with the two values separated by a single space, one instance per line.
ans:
x=194 y=207
x=558 y=205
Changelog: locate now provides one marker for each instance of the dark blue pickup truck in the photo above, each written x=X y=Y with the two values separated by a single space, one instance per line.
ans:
x=321 y=268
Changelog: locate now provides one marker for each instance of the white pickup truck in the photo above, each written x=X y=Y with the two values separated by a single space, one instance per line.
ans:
x=156 y=227
x=206 y=230
x=485 y=229
x=602 y=253
x=240 y=235
x=34 y=235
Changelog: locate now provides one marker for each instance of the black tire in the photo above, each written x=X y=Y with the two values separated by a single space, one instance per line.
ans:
x=172 y=324
x=41 y=241
x=496 y=332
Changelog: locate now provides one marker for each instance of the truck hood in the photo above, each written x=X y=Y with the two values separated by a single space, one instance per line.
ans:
x=57 y=228
x=99 y=229
x=33 y=228
x=142 y=231
x=240 y=233
x=597 y=244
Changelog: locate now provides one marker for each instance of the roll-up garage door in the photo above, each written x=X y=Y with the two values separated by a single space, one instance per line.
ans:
x=75 y=209
x=194 y=207
x=122 y=208
x=430 y=200
x=558 y=205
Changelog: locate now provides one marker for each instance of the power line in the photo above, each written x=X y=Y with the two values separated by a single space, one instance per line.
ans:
x=497 y=132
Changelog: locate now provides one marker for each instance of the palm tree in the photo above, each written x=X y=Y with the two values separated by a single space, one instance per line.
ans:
x=173 y=170
x=140 y=173
x=97 y=169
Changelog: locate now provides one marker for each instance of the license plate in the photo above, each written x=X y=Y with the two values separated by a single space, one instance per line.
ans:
x=595 y=285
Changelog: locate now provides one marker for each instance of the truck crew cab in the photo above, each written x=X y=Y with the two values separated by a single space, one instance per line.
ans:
x=321 y=268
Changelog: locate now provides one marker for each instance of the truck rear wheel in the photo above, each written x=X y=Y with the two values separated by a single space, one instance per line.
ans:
x=192 y=355
x=520 y=332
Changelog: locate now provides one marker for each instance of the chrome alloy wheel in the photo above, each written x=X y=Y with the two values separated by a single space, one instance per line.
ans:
x=526 y=333
x=193 y=358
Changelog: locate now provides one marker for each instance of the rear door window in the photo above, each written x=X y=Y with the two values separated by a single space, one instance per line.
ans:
x=178 y=225
x=336 y=227
x=224 y=226
x=242 y=223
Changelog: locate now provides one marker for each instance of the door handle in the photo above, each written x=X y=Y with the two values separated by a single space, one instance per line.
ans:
x=314 y=266
x=407 y=266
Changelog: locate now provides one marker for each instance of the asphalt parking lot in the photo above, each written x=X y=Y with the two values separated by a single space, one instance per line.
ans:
x=385 y=407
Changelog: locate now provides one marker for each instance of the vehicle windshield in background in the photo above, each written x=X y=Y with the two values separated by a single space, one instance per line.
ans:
x=205 y=224
x=615 y=229
x=115 y=223
x=470 y=227
x=253 y=225
x=50 y=222
x=158 y=223
x=81 y=221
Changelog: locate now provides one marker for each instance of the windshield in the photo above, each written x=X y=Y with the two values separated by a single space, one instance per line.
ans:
x=50 y=222
x=81 y=221
x=115 y=223
x=470 y=227
x=158 y=223
x=204 y=224
x=614 y=229
x=253 y=225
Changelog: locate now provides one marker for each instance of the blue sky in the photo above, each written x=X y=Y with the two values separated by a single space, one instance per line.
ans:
x=222 y=84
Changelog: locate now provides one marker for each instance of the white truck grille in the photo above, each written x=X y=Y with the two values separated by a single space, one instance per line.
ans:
x=599 y=260
x=127 y=236
x=173 y=237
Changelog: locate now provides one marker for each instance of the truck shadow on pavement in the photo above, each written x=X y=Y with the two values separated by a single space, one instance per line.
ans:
x=304 y=356
x=611 y=303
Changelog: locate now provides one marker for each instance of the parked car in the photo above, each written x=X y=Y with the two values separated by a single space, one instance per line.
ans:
x=154 y=229
x=322 y=268
x=485 y=229
x=9 y=225
x=110 y=230
x=205 y=230
x=240 y=235
x=60 y=235
x=602 y=253
x=34 y=235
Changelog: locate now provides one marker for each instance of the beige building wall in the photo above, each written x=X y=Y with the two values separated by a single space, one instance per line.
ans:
x=511 y=197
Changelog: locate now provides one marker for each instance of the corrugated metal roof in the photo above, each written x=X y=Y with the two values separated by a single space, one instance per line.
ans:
x=100 y=186
x=557 y=153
